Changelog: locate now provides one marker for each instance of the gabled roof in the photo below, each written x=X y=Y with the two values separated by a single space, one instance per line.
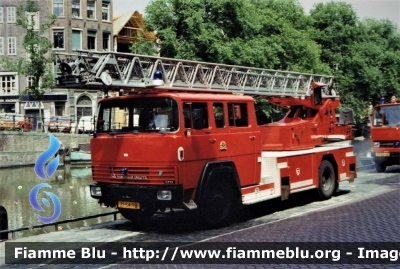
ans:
x=136 y=20
x=121 y=20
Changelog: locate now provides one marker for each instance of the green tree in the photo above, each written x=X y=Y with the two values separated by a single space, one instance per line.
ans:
x=273 y=34
x=270 y=34
x=37 y=65
x=363 y=55
x=373 y=62
x=335 y=29
x=271 y=111
x=144 y=47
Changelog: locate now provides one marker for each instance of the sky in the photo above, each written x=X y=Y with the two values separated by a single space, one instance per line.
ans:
x=379 y=9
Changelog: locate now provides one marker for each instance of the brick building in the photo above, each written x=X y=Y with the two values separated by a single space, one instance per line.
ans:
x=80 y=24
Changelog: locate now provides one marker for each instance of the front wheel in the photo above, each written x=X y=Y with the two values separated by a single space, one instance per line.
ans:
x=217 y=208
x=380 y=167
x=327 y=180
x=139 y=218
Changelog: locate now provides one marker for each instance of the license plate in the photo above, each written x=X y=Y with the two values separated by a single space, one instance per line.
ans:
x=131 y=205
x=383 y=154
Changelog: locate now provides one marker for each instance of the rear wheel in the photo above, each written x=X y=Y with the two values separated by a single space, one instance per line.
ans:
x=327 y=180
x=380 y=167
x=218 y=206
x=139 y=218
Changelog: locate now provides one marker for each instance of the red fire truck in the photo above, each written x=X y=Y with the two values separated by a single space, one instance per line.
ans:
x=185 y=134
x=385 y=135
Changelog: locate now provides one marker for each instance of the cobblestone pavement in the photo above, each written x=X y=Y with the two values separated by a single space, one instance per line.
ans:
x=365 y=211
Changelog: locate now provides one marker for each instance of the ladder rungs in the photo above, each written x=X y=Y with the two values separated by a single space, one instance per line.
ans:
x=124 y=71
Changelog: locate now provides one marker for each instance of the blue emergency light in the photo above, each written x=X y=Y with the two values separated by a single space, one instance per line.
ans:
x=158 y=78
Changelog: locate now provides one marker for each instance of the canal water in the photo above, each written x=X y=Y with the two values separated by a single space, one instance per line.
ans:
x=70 y=183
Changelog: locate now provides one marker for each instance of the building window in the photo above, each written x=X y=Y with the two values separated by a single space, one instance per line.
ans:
x=76 y=8
x=76 y=39
x=84 y=107
x=1 y=15
x=106 y=41
x=59 y=108
x=11 y=14
x=58 y=38
x=29 y=81
x=91 y=40
x=105 y=12
x=1 y=46
x=12 y=45
x=8 y=84
x=58 y=8
x=91 y=9
x=33 y=19
x=7 y=108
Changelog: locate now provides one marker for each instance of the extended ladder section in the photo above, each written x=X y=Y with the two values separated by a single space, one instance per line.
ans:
x=113 y=70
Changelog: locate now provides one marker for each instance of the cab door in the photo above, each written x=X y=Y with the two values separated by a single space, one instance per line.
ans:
x=243 y=140
x=198 y=145
x=198 y=132
x=220 y=132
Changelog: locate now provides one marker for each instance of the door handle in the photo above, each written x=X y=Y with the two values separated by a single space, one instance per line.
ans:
x=252 y=137
x=212 y=140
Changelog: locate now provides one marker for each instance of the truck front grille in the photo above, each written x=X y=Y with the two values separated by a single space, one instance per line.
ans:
x=135 y=174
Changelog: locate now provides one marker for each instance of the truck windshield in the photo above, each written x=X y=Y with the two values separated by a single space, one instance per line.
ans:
x=138 y=115
x=387 y=116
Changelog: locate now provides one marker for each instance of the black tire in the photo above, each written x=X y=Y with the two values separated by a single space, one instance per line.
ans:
x=380 y=167
x=218 y=205
x=327 y=180
x=139 y=218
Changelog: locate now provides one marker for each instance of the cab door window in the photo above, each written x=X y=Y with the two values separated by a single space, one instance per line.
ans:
x=219 y=115
x=195 y=116
x=238 y=115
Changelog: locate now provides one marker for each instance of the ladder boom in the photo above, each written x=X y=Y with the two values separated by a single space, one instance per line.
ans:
x=114 y=70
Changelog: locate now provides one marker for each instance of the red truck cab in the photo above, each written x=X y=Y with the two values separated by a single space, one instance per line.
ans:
x=385 y=135
x=159 y=144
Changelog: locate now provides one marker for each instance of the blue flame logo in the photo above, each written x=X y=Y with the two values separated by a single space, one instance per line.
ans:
x=35 y=204
x=52 y=165
x=46 y=156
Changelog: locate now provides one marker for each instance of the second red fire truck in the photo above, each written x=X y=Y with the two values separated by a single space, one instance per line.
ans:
x=385 y=135
x=186 y=134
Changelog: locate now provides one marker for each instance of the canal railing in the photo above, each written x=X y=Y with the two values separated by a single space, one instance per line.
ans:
x=4 y=233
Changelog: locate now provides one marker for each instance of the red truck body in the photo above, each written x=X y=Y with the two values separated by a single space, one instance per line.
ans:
x=186 y=134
